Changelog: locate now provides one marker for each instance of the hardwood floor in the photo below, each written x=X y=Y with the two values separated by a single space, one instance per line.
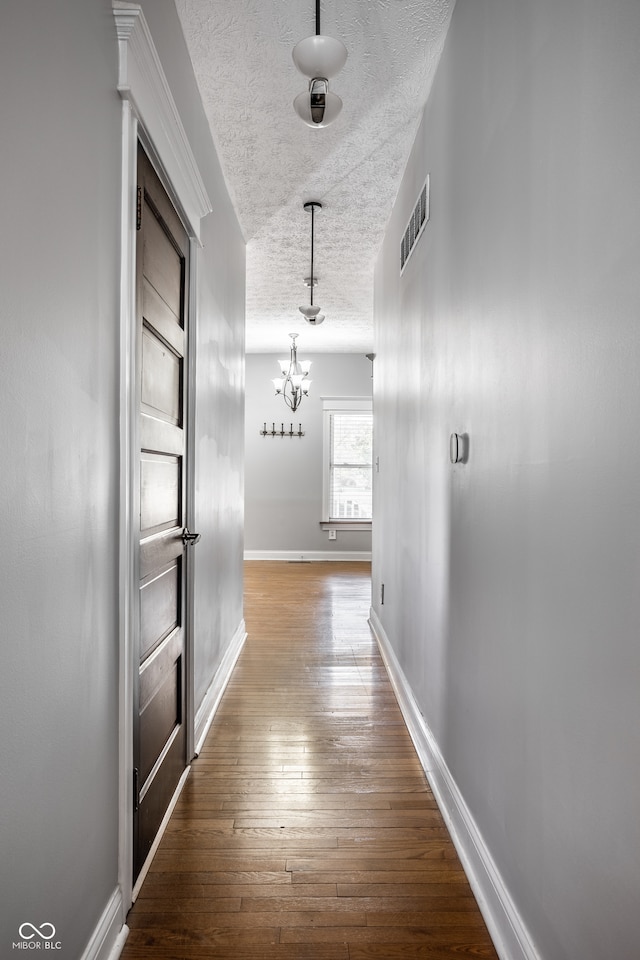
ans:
x=306 y=829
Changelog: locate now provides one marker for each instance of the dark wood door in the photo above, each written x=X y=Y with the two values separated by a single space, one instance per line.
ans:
x=159 y=697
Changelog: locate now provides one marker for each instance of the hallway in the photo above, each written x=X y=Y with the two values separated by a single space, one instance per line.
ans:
x=306 y=828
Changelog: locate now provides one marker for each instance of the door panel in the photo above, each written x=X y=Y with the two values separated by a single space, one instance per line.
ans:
x=161 y=378
x=161 y=318
x=159 y=435
x=159 y=608
x=162 y=262
x=160 y=490
x=159 y=734
x=158 y=667
x=158 y=551
x=160 y=715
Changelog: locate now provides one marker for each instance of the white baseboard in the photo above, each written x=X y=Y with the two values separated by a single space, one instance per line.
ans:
x=109 y=936
x=207 y=709
x=509 y=934
x=119 y=944
x=304 y=556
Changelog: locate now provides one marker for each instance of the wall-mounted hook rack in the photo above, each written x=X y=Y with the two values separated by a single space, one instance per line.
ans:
x=281 y=432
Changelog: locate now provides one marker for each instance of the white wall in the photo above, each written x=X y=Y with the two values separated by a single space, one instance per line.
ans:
x=511 y=594
x=59 y=363
x=283 y=500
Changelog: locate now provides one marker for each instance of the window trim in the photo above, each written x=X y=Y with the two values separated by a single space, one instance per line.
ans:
x=338 y=405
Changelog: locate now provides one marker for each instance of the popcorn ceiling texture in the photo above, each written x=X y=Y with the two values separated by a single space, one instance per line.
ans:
x=273 y=163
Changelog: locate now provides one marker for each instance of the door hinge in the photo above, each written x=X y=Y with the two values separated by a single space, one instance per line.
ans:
x=136 y=790
x=139 y=209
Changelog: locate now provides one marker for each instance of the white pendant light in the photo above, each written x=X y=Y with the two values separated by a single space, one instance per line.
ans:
x=319 y=58
x=311 y=312
x=319 y=107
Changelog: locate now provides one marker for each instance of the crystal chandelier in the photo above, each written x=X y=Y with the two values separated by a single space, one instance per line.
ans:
x=293 y=384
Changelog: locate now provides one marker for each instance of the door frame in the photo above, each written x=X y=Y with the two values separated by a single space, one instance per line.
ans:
x=149 y=115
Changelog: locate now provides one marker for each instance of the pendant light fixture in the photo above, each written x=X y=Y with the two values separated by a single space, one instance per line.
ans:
x=319 y=58
x=312 y=313
x=293 y=384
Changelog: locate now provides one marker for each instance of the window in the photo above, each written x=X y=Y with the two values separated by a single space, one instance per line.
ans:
x=348 y=452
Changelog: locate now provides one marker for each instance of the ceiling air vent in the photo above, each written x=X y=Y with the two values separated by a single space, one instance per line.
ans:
x=417 y=222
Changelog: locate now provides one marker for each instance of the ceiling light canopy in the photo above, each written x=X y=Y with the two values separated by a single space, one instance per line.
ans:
x=319 y=58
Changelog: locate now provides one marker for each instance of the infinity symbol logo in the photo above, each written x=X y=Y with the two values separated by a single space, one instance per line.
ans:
x=40 y=931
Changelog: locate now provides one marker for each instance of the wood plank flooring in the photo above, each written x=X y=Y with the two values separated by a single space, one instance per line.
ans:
x=306 y=829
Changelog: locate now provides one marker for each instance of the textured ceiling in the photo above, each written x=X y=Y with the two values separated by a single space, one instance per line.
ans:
x=273 y=162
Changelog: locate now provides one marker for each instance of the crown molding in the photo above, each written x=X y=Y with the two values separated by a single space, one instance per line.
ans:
x=142 y=82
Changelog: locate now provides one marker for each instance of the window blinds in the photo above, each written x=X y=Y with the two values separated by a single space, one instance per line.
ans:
x=350 y=466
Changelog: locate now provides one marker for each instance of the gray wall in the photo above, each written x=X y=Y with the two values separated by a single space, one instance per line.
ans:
x=59 y=431
x=511 y=592
x=283 y=501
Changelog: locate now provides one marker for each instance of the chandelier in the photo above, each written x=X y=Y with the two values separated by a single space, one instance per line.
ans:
x=319 y=58
x=293 y=384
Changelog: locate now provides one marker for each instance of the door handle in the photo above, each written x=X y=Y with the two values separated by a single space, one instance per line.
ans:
x=189 y=538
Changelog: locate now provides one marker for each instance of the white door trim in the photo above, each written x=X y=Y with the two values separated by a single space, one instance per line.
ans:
x=127 y=560
x=149 y=114
x=190 y=499
x=142 y=81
